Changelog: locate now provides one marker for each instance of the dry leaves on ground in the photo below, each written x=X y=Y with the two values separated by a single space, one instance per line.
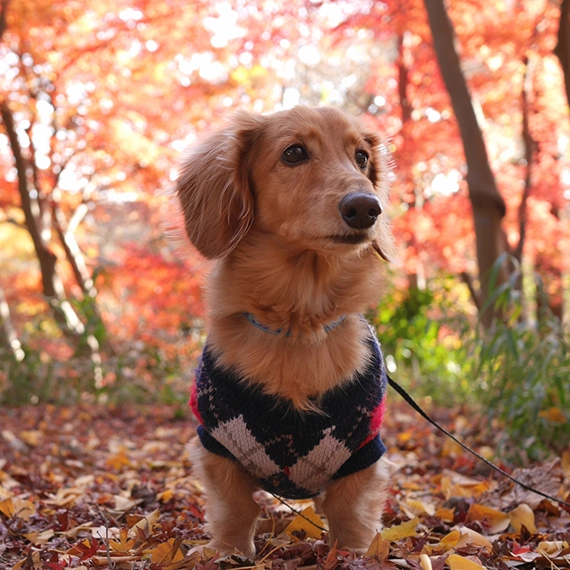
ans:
x=92 y=487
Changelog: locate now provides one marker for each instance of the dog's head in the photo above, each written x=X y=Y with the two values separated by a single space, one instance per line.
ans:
x=313 y=177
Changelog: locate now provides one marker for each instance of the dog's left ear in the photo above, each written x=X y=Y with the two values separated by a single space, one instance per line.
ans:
x=213 y=187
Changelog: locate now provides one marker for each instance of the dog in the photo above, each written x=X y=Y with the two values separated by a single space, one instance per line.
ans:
x=290 y=389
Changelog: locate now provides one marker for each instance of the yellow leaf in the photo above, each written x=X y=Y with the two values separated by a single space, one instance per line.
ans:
x=19 y=508
x=554 y=415
x=165 y=496
x=456 y=562
x=32 y=437
x=523 y=515
x=37 y=538
x=446 y=515
x=310 y=527
x=454 y=485
x=123 y=544
x=65 y=497
x=145 y=525
x=451 y=539
x=496 y=520
x=400 y=531
x=7 y=507
x=167 y=552
x=469 y=537
x=425 y=562
x=379 y=548
x=414 y=507
x=118 y=461
x=450 y=448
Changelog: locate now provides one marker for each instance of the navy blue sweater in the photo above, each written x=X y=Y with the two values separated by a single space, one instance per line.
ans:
x=293 y=453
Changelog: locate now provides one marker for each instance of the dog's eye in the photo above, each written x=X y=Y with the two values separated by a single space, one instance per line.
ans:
x=361 y=158
x=294 y=154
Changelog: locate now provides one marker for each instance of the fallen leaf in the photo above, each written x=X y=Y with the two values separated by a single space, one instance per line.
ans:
x=553 y=548
x=124 y=544
x=456 y=562
x=472 y=537
x=415 y=507
x=523 y=515
x=496 y=521
x=37 y=538
x=165 y=496
x=119 y=460
x=145 y=524
x=425 y=562
x=167 y=552
x=554 y=415
x=446 y=515
x=450 y=540
x=124 y=503
x=65 y=497
x=455 y=485
x=379 y=548
x=17 y=508
x=32 y=560
x=307 y=522
x=7 y=508
x=404 y=530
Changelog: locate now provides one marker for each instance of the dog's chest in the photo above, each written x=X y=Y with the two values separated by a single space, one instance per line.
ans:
x=292 y=453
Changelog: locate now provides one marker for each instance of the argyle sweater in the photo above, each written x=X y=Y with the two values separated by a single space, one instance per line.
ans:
x=292 y=453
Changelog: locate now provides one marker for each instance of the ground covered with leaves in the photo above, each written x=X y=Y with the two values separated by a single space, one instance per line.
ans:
x=96 y=487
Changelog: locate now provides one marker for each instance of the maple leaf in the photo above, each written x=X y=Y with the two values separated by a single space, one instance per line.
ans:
x=125 y=543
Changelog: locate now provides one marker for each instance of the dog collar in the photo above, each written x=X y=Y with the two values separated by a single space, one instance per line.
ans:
x=265 y=328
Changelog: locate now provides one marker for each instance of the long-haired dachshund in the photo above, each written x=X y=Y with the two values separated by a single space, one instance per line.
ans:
x=290 y=388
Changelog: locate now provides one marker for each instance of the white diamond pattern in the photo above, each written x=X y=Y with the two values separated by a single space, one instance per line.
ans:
x=314 y=470
x=235 y=436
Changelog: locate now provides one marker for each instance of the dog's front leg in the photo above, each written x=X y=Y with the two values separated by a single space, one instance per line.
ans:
x=354 y=505
x=231 y=512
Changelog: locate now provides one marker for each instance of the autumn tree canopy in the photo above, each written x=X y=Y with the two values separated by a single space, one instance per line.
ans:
x=99 y=100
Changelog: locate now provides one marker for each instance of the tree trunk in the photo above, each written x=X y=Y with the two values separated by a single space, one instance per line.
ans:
x=562 y=49
x=487 y=204
x=51 y=282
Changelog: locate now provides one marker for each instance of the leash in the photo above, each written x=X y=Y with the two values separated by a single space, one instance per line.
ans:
x=409 y=400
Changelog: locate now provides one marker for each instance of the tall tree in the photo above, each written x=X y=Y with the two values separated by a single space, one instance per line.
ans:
x=487 y=203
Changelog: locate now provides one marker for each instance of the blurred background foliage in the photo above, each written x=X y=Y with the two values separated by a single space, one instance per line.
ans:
x=101 y=301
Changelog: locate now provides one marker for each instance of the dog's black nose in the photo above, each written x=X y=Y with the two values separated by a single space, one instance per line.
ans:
x=360 y=210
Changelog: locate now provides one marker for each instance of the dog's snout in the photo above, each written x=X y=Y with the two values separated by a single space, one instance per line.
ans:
x=360 y=210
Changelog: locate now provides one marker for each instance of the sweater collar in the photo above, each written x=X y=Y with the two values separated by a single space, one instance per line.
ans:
x=251 y=318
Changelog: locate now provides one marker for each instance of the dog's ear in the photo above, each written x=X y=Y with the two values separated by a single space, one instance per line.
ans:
x=214 y=190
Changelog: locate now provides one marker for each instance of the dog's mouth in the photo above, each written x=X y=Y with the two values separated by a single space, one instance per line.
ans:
x=351 y=239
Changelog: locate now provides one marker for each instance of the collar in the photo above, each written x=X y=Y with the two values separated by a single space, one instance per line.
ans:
x=250 y=317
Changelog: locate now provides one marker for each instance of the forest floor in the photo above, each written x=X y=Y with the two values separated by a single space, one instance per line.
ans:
x=96 y=487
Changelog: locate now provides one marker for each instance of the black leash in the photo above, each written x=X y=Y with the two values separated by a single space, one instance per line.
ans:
x=409 y=400
x=418 y=409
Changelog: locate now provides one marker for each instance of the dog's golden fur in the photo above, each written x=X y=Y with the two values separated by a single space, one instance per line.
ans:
x=286 y=256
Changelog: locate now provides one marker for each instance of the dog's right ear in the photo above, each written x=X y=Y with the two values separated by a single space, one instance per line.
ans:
x=214 y=190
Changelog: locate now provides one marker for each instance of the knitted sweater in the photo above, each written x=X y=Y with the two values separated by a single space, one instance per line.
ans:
x=293 y=453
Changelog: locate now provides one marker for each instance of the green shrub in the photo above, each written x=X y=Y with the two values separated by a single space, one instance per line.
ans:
x=516 y=373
